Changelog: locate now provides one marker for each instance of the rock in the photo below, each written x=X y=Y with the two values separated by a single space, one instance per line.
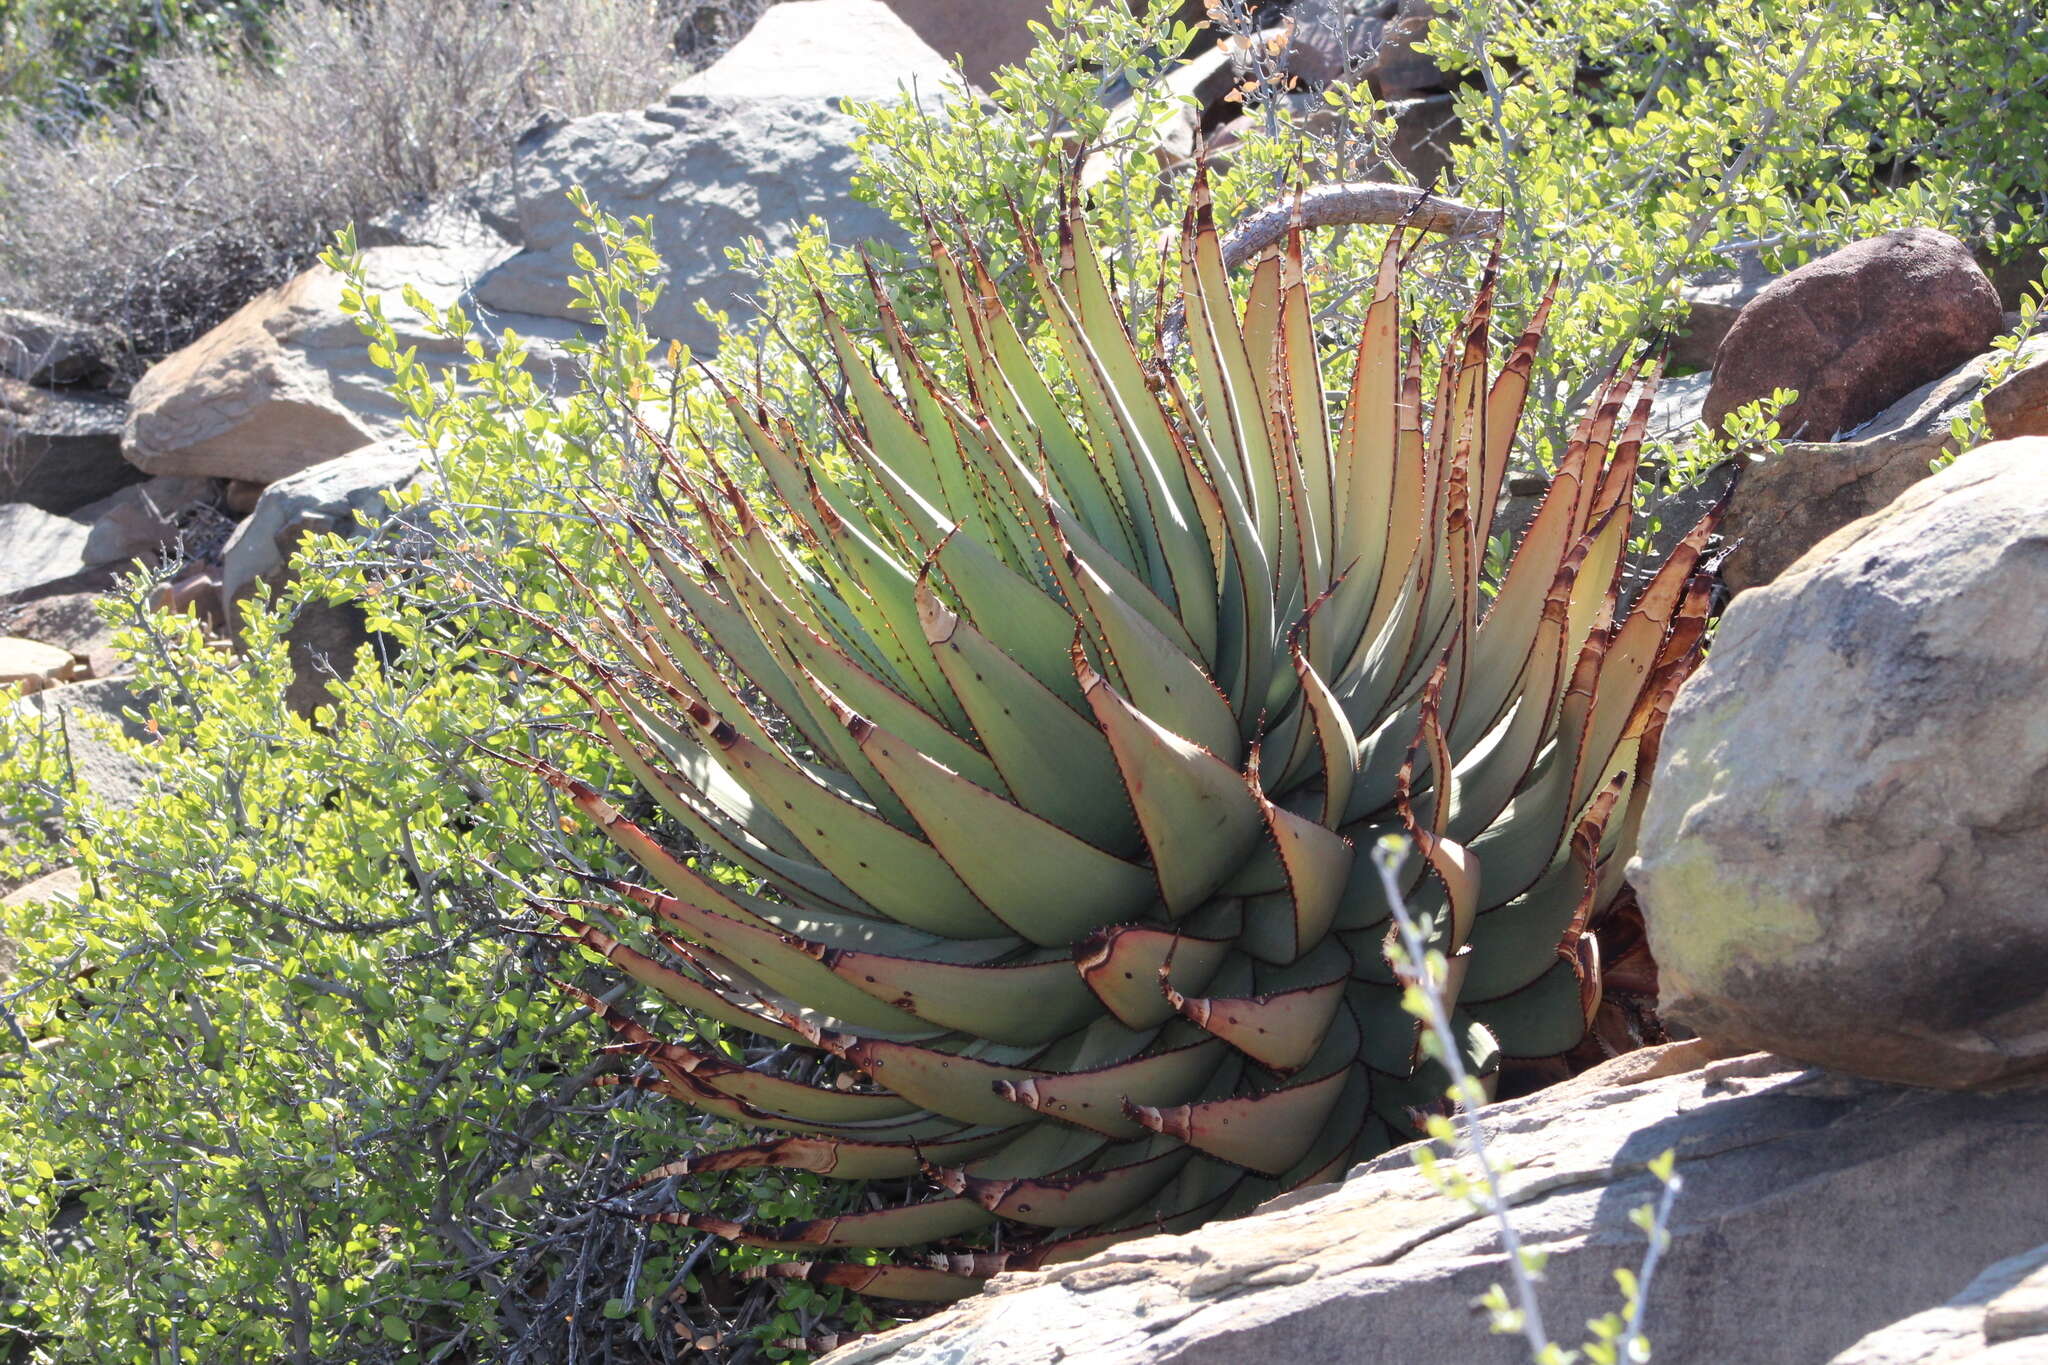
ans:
x=240 y=496
x=1713 y=302
x=2018 y=404
x=1678 y=406
x=321 y=644
x=27 y=666
x=982 y=36
x=71 y=622
x=86 y=715
x=287 y=382
x=41 y=547
x=41 y=348
x=63 y=884
x=1855 y=330
x=1396 y=69
x=140 y=521
x=195 y=592
x=751 y=146
x=2008 y=1302
x=326 y=497
x=1786 y=505
x=477 y=216
x=1841 y=856
x=60 y=451
x=1791 y=1179
x=1425 y=130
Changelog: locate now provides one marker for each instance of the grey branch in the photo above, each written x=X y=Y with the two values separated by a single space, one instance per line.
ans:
x=1347 y=203
x=1354 y=202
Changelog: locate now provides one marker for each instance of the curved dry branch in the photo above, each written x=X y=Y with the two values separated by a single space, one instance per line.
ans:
x=1348 y=203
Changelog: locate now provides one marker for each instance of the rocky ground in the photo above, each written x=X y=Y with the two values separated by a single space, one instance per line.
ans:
x=1843 y=854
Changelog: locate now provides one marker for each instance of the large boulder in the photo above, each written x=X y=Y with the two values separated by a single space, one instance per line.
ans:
x=60 y=449
x=1797 y=1186
x=327 y=497
x=1855 y=330
x=982 y=36
x=752 y=146
x=287 y=382
x=1841 y=858
x=1789 y=503
x=2008 y=1303
x=1712 y=303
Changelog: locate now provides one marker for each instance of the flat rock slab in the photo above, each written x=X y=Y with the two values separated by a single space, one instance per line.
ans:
x=1984 y=1325
x=31 y=666
x=1816 y=1208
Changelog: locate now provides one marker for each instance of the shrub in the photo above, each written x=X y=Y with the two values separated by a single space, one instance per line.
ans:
x=65 y=60
x=158 y=220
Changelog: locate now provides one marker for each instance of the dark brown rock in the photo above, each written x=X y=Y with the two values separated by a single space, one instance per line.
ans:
x=1855 y=330
x=984 y=35
x=1712 y=303
x=2018 y=404
x=1787 y=504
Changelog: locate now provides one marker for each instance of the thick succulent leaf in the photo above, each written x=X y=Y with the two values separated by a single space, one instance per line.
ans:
x=1055 y=764
x=1283 y=1026
x=842 y=1159
x=1033 y=1000
x=1122 y=965
x=1267 y=1132
x=1316 y=862
x=1543 y=1019
x=1044 y=883
x=1079 y=1199
x=877 y=861
x=1198 y=813
x=1095 y=1098
x=673 y=985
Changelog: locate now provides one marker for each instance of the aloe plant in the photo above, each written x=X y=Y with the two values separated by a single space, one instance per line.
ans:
x=1054 y=741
